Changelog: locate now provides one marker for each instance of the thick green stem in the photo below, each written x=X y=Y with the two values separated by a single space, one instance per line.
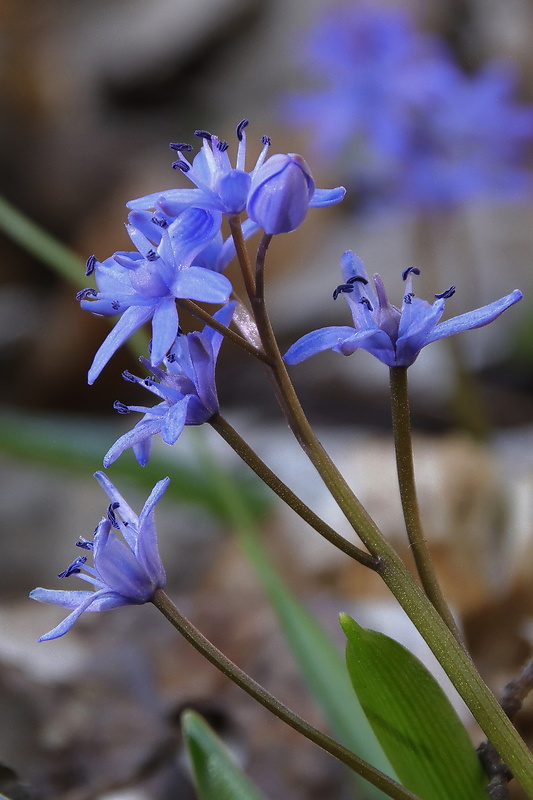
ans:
x=250 y=457
x=401 y=425
x=242 y=254
x=255 y=690
x=455 y=661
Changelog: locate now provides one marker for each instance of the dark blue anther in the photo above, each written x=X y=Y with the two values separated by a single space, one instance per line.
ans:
x=182 y=165
x=159 y=221
x=445 y=295
x=73 y=568
x=171 y=358
x=343 y=288
x=148 y=382
x=90 y=264
x=122 y=408
x=128 y=376
x=86 y=293
x=180 y=147
x=357 y=279
x=111 y=514
x=115 y=304
x=240 y=127
x=84 y=544
x=151 y=255
x=222 y=146
x=408 y=297
x=204 y=135
x=266 y=140
x=408 y=271
x=366 y=302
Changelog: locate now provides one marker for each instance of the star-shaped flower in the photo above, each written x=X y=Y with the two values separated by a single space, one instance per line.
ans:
x=393 y=335
x=125 y=572
x=143 y=285
x=228 y=189
x=186 y=388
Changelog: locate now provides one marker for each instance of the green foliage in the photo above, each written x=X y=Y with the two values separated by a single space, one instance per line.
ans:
x=413 y=719
x=215 y=774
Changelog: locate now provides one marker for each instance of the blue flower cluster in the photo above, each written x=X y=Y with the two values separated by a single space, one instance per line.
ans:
x=415 y=130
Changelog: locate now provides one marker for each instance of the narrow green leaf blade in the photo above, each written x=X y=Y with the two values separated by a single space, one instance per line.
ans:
x=413 y=719
x=216 y=776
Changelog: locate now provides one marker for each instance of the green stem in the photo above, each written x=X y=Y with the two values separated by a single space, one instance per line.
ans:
x=255 y=690
x=242 y=254
x=455 y=661
x=250 y=457
x=401 y=426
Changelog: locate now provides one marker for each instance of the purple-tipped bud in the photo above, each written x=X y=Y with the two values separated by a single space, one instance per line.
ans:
x=280 y=193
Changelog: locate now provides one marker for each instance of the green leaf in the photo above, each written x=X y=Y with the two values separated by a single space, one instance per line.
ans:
x=413 y=719
x=215 y=774
x=322 y=668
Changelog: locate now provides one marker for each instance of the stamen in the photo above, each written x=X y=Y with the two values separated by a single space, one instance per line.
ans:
x=122 y=408
x=366 y=302
x=410 y=271
x=342 y=288
x=111 y=514
x=85 y=544
x=115 y=304
x=266 y=140
x=151 y=255
x=358 y=279
x=160 y=221
x=408 y=297
x=222 y=146
x=128 y=376
x=240 y=128
x=171 y=358
x=73 y=568
x=182 y=165
x=204 y=135
x=445 y=295
x=180 y=147
x=90 y=265
x=86 y=293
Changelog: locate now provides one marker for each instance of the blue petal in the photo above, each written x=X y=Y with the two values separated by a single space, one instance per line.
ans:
x=474 y=319
x=191 y=232
x=164 y=329
x=118 y=567
x=314 y=342
x=87 y=601
x=143 y=430
x=179 y=198
x=174 y=420
x=416 y=323
x=327 y=197
x=233 y=189
x=130 y=321
x=197 y=283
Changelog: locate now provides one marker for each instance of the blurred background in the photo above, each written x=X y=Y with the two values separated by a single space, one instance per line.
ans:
x=91 y=94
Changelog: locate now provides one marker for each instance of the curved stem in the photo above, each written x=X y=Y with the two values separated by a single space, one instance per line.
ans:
x=401 y=426
x=242 y=254
x=239 y=340
x=450 y=654
x=250 y=457
x=255 y=690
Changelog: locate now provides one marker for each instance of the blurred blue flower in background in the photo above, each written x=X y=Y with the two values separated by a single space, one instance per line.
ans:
x=407 y=123
x=125 y=572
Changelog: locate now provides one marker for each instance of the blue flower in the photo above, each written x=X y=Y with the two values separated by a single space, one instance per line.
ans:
x=410 y=126
x=125 y=572
x=187 y=391
x=393 y=335
x=220 y=186
x=143 y=285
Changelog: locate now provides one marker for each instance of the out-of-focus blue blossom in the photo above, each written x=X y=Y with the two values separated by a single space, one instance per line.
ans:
x=281 y=192
x=393 y=335
x=143 y=285
x=223 y=188
x=125 y=572
x=186 y=387
x=410 y=127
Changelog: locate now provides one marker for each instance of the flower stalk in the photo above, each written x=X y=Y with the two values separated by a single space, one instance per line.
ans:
x=411 y=512
x=164 y=604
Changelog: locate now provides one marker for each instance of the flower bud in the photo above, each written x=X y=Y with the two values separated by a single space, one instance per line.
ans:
x=280 y=193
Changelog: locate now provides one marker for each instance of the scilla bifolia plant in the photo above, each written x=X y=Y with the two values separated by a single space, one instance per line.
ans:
x=178 y=261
